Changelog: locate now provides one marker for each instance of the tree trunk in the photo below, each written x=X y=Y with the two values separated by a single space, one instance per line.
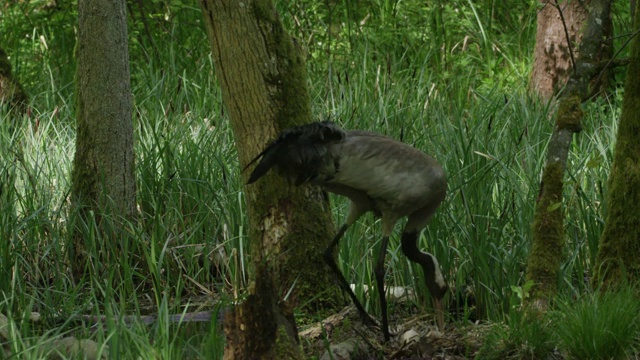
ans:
x=617 y=259
x=263 y=81
x=548 y=230
x=103 y=178
x=11 y=92
x=559 y=29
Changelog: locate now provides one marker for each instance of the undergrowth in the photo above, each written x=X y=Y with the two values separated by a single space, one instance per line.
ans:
x=448 y=77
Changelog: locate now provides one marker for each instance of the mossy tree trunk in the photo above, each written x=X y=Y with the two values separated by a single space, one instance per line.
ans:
x=103 y=179
x=548 y=230
x=618 y=258
x=263 y=80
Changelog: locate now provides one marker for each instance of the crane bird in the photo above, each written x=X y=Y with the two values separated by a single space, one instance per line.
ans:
x=377 y=174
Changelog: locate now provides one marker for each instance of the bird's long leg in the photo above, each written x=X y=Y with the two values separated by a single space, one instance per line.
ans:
x=379 y=272
x=432 y=274
x=328 y=258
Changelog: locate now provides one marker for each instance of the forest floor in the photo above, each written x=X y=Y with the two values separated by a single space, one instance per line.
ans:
x=414 y=336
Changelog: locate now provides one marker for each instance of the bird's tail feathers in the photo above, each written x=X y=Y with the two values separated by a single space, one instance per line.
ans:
x=298 y=153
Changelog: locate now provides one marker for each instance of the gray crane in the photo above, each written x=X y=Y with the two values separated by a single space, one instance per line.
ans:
x=377 y=174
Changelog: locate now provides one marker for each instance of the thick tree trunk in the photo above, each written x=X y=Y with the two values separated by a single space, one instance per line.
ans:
x=103 y=178
x=263 y=82
x=553 y=54
x=619 y=252
x=548 y=230
x=560 y=27
x=11 y=92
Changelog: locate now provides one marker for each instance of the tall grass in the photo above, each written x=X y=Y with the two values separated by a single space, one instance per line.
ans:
x=450 y=78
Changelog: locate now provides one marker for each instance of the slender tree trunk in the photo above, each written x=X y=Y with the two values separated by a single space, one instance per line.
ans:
x=103 y=179
x=619 y=252
x=263 y=81
x=548 y=231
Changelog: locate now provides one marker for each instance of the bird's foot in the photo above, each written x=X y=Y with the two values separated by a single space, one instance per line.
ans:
x=370 y=322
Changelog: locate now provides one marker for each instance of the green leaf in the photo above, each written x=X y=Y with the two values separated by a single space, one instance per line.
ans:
x=554 y=207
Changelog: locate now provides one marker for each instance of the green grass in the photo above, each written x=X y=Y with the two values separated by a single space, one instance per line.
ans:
x=599 y=326
x=522 y=336
x=449 y=78
x=595 y=326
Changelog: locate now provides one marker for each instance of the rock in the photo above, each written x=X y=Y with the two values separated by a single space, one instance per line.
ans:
x=4 y=336
x=70 y=347
x=434 y=334
x=35 y=317
x=341 y=351
x=4 y=328
x=410 y=336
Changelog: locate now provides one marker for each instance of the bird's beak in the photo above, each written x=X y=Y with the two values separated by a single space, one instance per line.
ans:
x=439 y=310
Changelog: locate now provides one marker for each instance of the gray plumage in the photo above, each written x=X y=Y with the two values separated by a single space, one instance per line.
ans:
x=299 y=153
x=377 y=174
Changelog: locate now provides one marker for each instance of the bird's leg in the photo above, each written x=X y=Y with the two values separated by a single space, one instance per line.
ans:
x=432 y=274
x=328 y=258
x=379 y=272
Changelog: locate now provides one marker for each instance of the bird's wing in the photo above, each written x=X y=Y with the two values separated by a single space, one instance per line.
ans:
x=299 y=153
x=392 y=173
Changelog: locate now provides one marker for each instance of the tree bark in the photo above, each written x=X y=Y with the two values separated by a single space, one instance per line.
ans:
x=548 y=230
x=103 y=178
x=11 y=92
x=263 y=81
x=559 y=29
x=619 y=251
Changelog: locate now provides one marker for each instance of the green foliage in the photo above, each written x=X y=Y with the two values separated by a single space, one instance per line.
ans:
x=442 y=37
x=525 y=336
x=596 y=326
x=448 y=77
x=39 y=40
x=599 y=326
x=521 y=294
x=156 y=253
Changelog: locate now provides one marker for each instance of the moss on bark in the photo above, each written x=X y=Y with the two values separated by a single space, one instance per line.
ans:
x=545 y=258
x=255 y=333
x=617 y=259
x=569 y=114
x=263 y=82
x=548 y=231
x=305 y=211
